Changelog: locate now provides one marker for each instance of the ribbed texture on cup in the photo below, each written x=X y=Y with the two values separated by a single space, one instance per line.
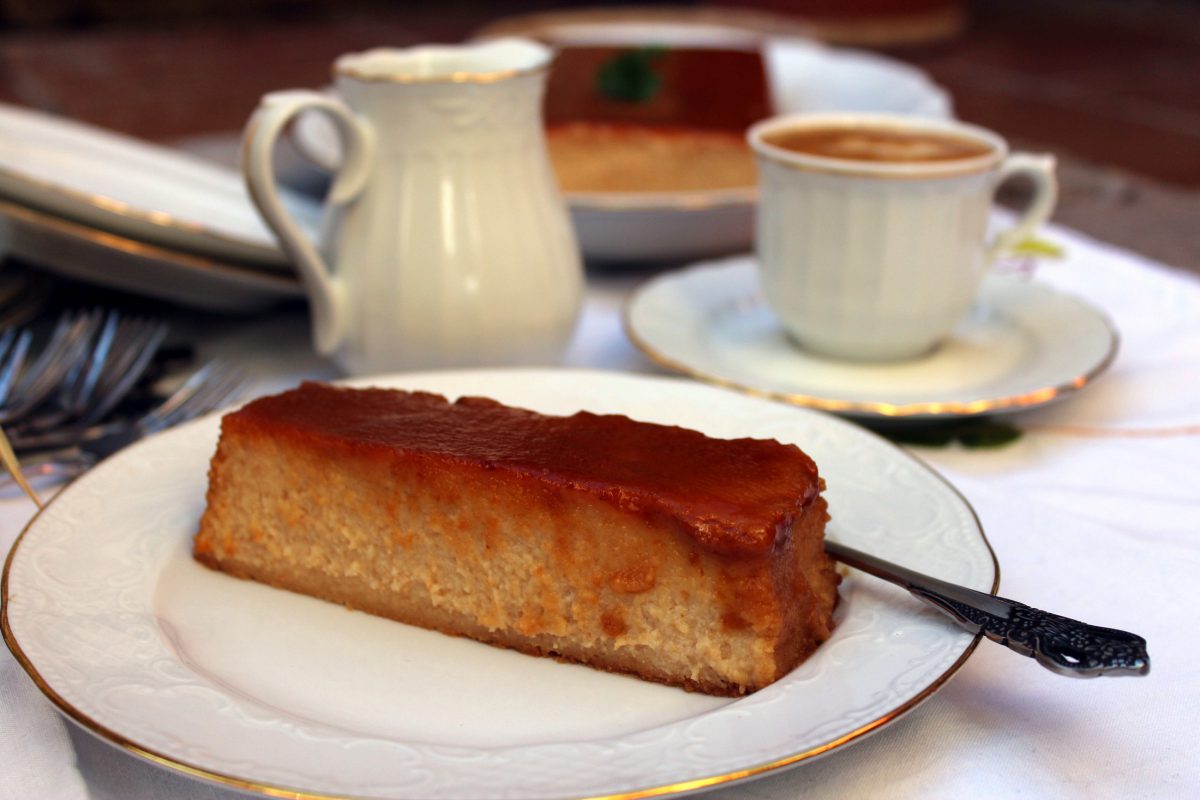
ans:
x=870 y=269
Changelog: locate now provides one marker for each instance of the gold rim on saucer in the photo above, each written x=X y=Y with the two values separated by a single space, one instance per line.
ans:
x=880 y=409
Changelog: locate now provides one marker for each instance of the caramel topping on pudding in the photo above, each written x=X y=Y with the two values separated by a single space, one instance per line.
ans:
x=733 y=496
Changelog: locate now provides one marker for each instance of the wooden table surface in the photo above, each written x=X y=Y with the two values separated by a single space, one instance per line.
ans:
x=1112 y=87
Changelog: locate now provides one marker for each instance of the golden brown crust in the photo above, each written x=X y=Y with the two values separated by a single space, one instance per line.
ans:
x=512 y=556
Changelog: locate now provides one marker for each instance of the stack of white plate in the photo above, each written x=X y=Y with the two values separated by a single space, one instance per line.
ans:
x=123 y=213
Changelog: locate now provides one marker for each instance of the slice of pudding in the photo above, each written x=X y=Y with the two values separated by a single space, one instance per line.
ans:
x=637 y=548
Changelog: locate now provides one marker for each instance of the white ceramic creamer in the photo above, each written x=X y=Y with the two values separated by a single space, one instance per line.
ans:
x=445 y=240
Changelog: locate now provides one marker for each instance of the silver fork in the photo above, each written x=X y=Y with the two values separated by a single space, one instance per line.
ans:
x=134 y=346
x=1061 y=645
x=115 y=354
x=205 y=390
x=13 y=348
x=26 y=386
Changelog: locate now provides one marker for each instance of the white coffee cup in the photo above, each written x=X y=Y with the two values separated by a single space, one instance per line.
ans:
x=879 y=260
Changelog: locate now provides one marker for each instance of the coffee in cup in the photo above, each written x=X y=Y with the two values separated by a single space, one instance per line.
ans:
x=856 y=143
x=872 y=231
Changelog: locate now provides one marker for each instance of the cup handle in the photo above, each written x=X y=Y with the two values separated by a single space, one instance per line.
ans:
x=325 y=289
x=1040 y=169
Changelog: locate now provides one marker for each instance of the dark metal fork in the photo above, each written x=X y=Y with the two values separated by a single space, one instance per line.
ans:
x=113 y=360
x=23 y=387
x=1060 y=644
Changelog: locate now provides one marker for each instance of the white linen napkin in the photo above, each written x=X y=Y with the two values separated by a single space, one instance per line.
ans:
x=35 y=751
x=36 y=757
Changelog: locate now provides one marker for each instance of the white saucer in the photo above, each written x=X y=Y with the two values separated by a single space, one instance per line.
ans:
x=677 y=226
x=77 y=251
x=137 y=189
x=1023 y=346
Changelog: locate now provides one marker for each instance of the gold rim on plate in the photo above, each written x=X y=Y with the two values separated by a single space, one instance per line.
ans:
x=158 y=219
x=270 y=790
x=267 y=279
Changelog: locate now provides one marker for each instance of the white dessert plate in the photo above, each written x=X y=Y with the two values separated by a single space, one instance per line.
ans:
x=267 y=691
x=123 y=185
x=1024 y=345
x=78 y=251
x=803 y=75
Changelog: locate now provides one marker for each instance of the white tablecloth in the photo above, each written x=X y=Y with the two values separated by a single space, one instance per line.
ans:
x=1094 y=513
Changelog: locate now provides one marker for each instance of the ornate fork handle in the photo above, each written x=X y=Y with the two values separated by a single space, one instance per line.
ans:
x=1062 y=645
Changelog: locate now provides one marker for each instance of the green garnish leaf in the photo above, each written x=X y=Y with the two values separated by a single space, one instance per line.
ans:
x=973 y=434
x=629 y=76
x=988 y=434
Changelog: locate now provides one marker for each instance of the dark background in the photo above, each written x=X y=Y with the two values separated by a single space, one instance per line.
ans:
x=1111 y=86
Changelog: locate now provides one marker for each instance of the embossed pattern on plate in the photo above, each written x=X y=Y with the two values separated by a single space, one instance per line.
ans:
x=264 y=690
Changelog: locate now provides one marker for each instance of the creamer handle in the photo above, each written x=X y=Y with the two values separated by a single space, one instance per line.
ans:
x=324 y=287
x=1039 y=168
